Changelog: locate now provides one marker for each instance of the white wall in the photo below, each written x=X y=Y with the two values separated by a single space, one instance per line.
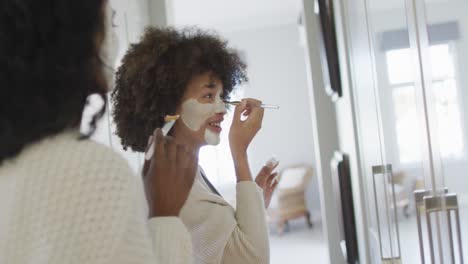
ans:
x=277 y=75
x=131 y=18
x=239 y=15
x=276 y=69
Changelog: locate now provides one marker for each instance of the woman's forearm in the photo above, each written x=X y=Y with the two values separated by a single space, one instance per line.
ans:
x=241 y=166
x=250 y=237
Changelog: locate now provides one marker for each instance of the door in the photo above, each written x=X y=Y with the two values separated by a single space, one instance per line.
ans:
x=392 y=123
x=443 y=44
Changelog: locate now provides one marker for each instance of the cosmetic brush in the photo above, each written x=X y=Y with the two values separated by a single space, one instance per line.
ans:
x=266 y=106
x=169 y=122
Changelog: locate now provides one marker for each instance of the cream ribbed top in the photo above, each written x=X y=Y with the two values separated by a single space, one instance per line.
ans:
x=69 y=201
x=222 y=234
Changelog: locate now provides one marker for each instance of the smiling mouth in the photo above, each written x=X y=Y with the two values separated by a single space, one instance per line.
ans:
x=215 y=127
x=215 y=124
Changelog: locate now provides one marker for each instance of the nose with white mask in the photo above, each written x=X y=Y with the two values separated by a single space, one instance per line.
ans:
x=195 y=114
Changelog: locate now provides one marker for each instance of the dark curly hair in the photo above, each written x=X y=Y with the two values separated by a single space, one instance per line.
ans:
x=49 y=64
x=155 y=73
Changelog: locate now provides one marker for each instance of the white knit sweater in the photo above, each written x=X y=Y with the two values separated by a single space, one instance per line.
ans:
x=222 y=234
x=69 y=201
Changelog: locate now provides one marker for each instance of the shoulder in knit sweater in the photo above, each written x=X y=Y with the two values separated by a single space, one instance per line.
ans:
x=66 y=161
x=66 y=152
x=73 y=196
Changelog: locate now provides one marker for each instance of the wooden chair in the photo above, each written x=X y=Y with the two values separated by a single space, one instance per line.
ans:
x=290 y=202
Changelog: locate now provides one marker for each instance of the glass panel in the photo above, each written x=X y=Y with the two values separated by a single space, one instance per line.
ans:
x=400 y=125
x=406 y=129
x=400 y=66
x=369 y=134
x=447 y=30
x=451 y=140
x=391 y=124
x=402 y=133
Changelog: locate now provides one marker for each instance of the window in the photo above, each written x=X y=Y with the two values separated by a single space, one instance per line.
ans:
x=444 y=88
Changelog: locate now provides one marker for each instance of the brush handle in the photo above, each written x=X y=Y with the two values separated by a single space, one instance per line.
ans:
x=167 y=127
x=165 y=130
x=266 y=106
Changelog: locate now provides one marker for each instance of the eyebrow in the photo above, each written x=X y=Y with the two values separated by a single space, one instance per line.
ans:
x=210 y=85
x=212 y=88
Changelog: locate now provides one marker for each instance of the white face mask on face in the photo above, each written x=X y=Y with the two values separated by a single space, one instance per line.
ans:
x=195 y=114
x=109 y=48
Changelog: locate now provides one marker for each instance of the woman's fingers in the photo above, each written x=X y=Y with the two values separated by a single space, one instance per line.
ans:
x=265 y=176
x=149 y=148
x=171 y=150
x=272 y=188
x=256 y=115
x=181 y=156
x=272 y=163
x=246 y=107
x=154 y=146
x=253 y=103
x=145 y=168
x=159 y=145
x=271 y=179
x=250 y=105
x=239 y=110
x=262 y=175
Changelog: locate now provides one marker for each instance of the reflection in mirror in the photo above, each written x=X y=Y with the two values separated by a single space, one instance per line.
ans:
x=449 y=60
x=267 y=34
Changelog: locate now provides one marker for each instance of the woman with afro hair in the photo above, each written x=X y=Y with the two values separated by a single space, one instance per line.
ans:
x=65 y=199
x=190 y=73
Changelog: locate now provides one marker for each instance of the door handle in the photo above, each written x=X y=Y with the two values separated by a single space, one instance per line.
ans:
x=419 y=204
x=387 y=172
x=428 y=203
x=435 y=204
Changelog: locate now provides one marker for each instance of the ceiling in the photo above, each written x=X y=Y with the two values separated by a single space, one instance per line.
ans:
x=380 y=5
x=234 y=15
